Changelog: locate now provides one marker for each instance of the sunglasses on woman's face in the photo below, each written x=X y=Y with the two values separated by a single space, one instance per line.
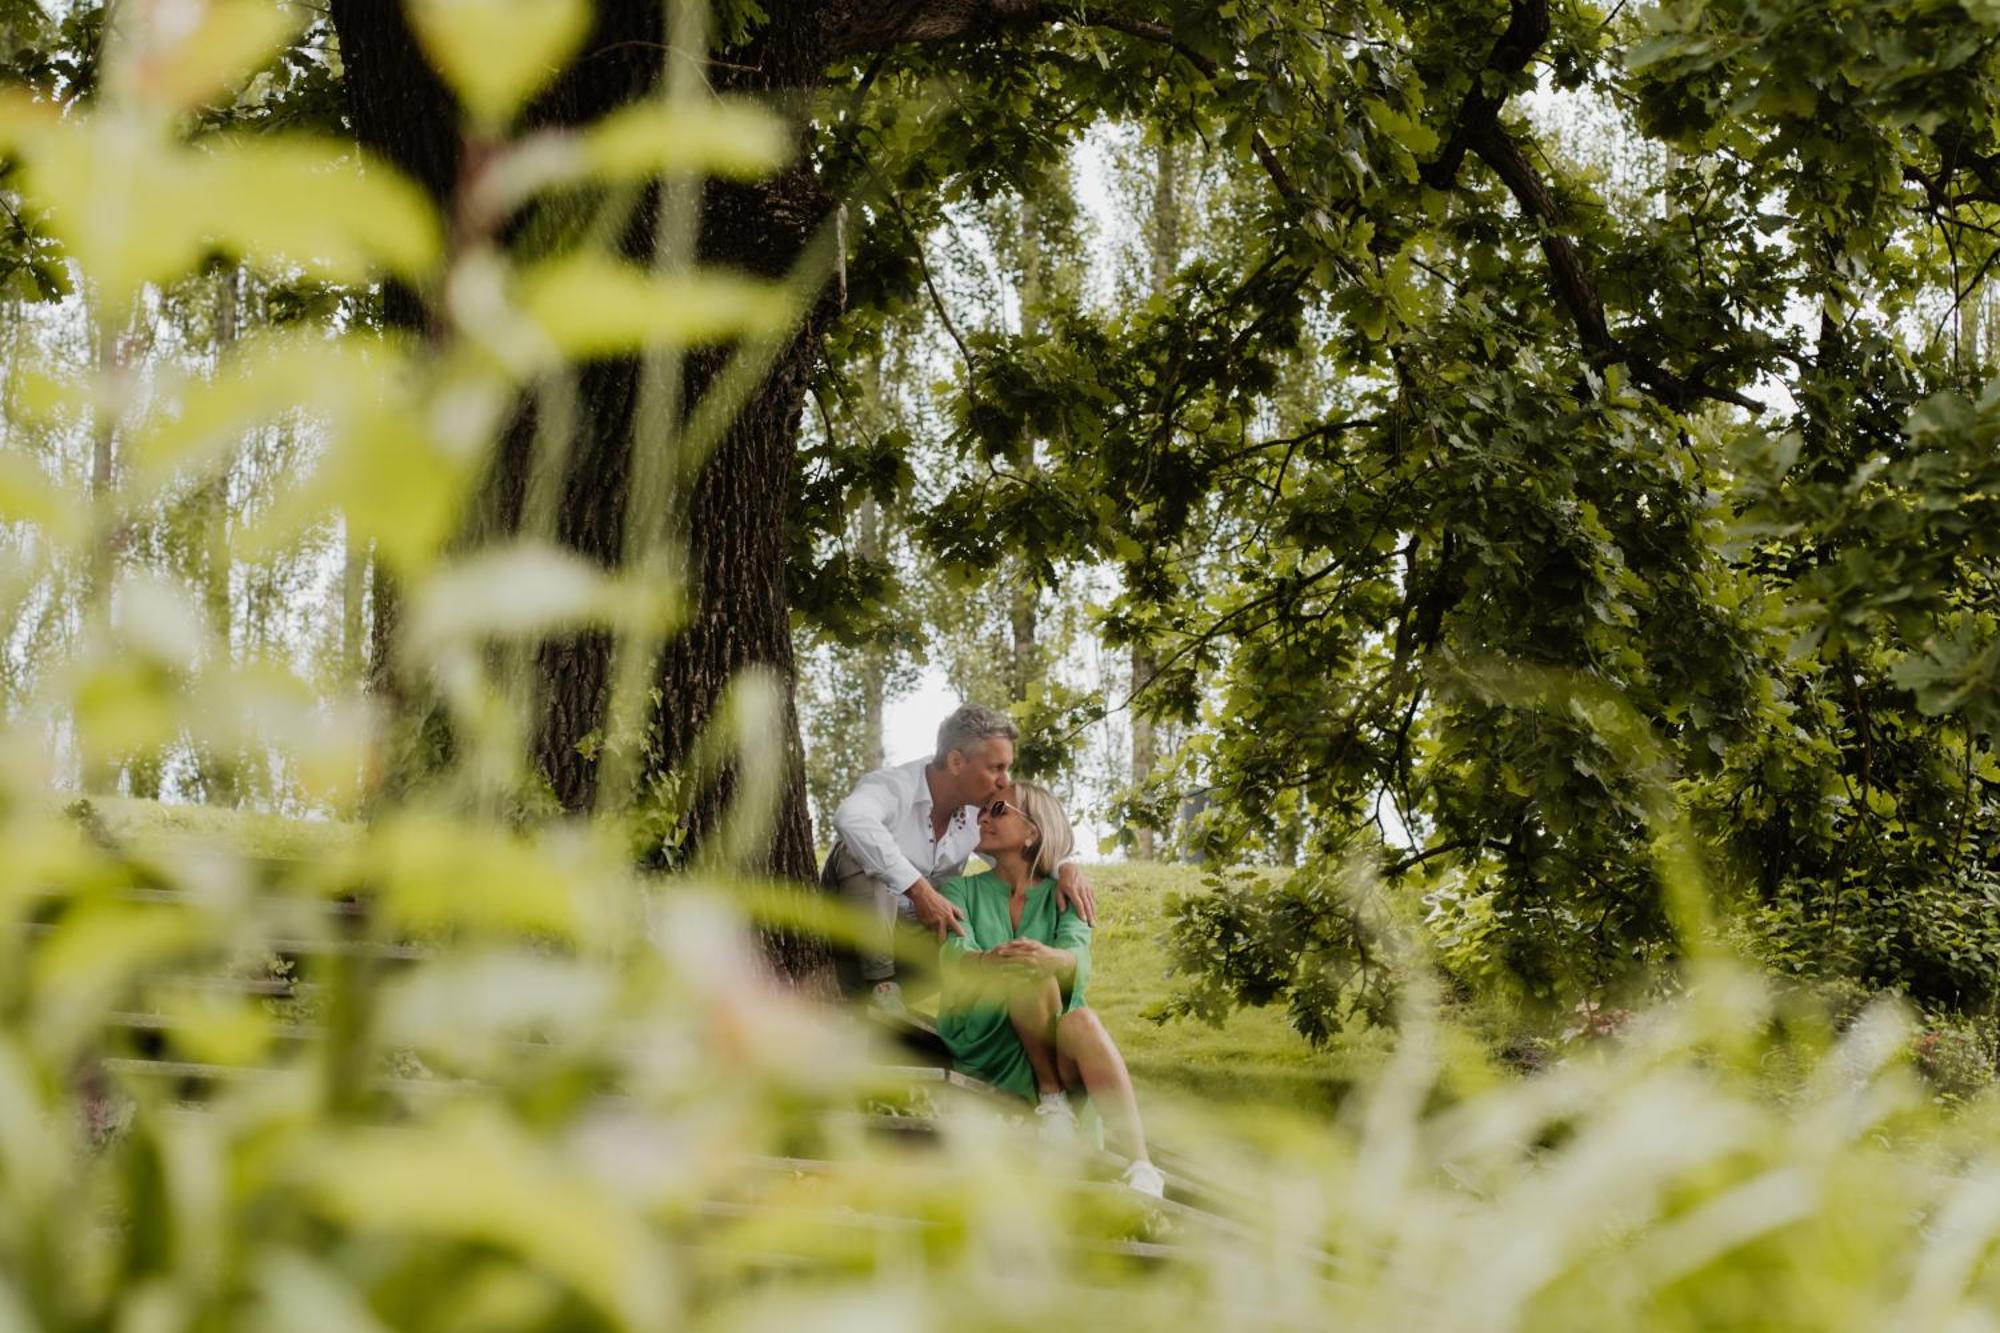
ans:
x=999 y=809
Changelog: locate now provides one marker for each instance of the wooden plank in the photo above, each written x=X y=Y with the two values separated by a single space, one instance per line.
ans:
x=196 y=1071
x=298 y=947
x=136 y=1021
x=276 y=988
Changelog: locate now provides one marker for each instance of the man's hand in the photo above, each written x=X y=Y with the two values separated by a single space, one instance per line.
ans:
x=1072 y=890
x=934 y=911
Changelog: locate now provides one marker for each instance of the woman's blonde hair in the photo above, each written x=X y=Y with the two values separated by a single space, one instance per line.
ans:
x=1045 y=812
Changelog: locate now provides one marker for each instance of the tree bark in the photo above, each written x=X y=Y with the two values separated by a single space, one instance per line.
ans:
x=1025 y=666
x=872 y=662
x=1145 y=749
x=1164 y=242
x=109 y=350
x=216 y=774
x=733 y=518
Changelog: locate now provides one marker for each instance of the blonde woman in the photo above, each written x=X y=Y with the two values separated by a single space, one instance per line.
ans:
x=1016 y=1018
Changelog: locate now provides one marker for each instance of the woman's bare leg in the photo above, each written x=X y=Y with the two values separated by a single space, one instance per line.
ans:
x=1082 y=1038
x=1033 y=1010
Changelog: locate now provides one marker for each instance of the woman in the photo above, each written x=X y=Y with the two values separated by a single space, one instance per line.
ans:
x=1017 y=1018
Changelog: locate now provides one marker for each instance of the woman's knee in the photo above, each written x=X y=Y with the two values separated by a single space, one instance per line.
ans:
x=1082 y=1027
x=1039 y=1000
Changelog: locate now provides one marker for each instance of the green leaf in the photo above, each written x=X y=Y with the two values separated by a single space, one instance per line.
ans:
x=317 y=204
x=523 y=591
x=29 y=495
x=178 y=65
x=92 y=955
x=1417 y=137
x=495 y=54
x=436 y=874
x=114 y=192
x=132 y=207
x=430 y=445
x=197 y=421
x=736 y=139
x=591 y=306
x=299 y=1294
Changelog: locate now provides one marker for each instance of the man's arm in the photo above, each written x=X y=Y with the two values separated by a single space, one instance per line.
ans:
x=1073 y=890
x=863 y=822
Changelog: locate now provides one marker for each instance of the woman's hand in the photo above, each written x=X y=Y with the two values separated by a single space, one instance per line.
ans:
x=1032 y=956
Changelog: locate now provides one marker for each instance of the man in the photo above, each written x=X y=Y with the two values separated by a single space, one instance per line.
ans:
x=908 y=828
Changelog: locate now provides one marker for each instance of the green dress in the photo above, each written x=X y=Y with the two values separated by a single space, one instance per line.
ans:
x=982 y=1040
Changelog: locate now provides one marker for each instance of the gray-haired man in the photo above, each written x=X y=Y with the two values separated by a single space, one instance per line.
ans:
x=907 y=828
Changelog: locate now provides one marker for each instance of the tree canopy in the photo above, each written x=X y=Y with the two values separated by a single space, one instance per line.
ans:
x=1703 y=443
x=1564 y=418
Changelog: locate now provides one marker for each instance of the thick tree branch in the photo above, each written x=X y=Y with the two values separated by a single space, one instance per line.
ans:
x=1477 y=129
x=1573 y=284
x=1527 y=29
x=1955 y=155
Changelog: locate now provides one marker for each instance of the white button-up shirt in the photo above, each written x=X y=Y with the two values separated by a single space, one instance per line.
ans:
x=886 y=823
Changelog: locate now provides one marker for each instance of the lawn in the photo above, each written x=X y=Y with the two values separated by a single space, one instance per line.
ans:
x=251 y=833
x=1253 y=1057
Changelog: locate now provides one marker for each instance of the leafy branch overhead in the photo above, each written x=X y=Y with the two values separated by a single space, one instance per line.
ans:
x=1602 y=340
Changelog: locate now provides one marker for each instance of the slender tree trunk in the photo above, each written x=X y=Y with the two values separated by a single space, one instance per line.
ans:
x=108 y=352
x=1023 y=617
x=1970 y=311
x=1164 y=243
x=1164 y=234
x=1145 y=747
x=216 y=773
x=874 y=666
x=354 y=580
x=1023 y=597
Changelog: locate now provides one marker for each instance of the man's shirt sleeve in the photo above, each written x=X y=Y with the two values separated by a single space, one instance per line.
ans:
x=865 y=822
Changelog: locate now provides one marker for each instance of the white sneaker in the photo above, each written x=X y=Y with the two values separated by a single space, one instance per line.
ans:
x=1055 y=1118
x=1146 y=1179
x=887 y=997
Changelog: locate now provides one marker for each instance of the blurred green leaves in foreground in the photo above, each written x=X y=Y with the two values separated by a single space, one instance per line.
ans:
x=460 y=1076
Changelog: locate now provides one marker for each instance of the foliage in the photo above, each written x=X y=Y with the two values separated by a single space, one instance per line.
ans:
x=578 y=1101
x=1437 y=396
x=1315 y=942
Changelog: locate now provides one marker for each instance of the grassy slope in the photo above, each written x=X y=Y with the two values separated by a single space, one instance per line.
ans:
x=1254 y=1056
x=251 y=834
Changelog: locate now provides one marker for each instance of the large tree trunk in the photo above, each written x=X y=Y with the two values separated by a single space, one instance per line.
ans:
x=736 y=537
x=733 y=520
